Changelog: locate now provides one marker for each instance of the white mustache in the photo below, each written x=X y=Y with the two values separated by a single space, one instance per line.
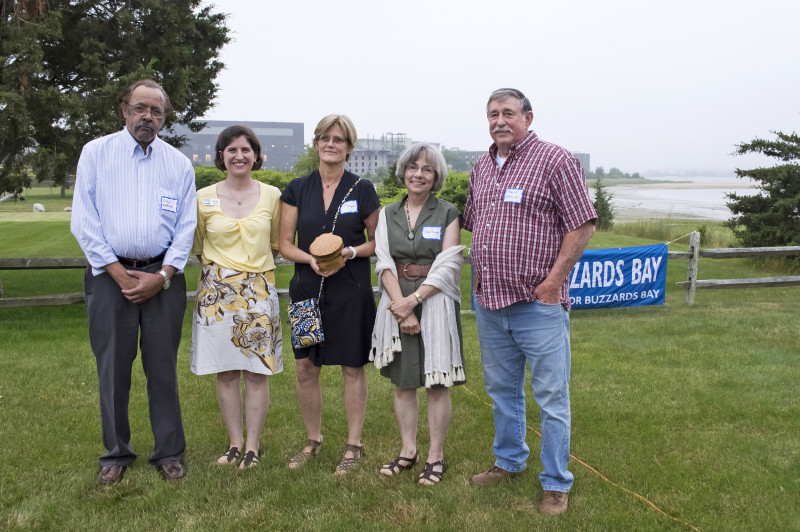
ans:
x=501 y=130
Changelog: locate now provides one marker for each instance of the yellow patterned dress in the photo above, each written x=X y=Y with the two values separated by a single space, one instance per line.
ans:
x=236 y=323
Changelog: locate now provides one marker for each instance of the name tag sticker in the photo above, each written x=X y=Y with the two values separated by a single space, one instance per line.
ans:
x=349 y=206
x=169 y=204
x=211 y=201
x=513 y=195
x=432 y=233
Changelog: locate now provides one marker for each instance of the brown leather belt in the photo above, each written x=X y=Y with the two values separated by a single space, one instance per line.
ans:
x=411 y=271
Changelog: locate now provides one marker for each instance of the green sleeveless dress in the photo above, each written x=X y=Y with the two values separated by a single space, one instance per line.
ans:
x=408 y=368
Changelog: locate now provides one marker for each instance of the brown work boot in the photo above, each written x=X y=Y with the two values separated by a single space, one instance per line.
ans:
x=553 y=502
x=492 y=476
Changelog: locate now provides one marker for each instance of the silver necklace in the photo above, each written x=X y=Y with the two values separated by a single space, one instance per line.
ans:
x=238 y=202
x=334 y=182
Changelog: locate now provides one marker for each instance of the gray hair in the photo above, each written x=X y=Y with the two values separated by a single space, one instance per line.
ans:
x=502 y=94
x=432 y=155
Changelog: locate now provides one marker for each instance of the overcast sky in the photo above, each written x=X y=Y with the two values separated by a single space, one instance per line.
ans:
x=638 y=85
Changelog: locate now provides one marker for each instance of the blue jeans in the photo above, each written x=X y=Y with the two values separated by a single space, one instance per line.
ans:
x=537 y=334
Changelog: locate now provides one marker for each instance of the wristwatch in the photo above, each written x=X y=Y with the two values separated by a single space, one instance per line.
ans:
x=167 y=282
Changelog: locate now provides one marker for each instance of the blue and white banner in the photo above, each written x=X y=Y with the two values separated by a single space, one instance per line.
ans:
x=619 y=277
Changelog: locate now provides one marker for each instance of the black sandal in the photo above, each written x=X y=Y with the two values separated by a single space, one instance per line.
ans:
x=230 y=456
x=430 y=476
x=250 y=460
x=395 y=467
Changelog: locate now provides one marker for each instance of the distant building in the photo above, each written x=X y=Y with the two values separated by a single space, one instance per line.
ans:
x=368 y=161
x=281 y=142
x=584 y=159
x=372 y=153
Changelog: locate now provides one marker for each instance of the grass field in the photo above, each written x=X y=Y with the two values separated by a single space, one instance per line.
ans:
x=684 y=418
x=50 y=198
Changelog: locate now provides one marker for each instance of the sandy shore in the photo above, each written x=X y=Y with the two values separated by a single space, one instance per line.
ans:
x=704 y=199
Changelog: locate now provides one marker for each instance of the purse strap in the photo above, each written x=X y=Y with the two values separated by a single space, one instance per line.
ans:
x=336 y=217
x=342 y=203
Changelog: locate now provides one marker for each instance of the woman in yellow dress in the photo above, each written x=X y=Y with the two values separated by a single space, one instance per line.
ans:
x=236 y=327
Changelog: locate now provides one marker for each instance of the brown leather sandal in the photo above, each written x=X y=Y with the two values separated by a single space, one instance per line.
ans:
x=346 y=464
x=431 y=477
x=303 y=456
x=396 y=466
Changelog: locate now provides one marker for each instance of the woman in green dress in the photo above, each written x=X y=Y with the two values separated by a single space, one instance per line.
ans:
x=416 y=341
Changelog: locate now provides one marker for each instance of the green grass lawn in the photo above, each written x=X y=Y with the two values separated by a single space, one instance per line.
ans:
x=683 y=417
x=22 y=211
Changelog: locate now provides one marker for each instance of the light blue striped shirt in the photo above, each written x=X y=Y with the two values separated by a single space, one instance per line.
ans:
x=133 y=204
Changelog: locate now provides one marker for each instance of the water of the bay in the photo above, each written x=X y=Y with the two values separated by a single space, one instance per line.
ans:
x=696 y=198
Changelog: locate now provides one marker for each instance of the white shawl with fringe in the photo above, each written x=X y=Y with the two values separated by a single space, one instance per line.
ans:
x=443 y=364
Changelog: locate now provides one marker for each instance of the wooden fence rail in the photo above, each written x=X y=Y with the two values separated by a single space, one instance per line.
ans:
x=691 y=283
x=65 y=263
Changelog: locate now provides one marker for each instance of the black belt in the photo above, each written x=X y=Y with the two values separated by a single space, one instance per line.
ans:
x=139 y=263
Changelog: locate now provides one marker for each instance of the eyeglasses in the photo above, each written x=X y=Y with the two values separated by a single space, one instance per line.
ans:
x=324 y=139
x=140 y=109
x=427 y=170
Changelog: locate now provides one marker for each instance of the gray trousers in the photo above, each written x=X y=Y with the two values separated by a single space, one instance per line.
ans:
x=114 y=329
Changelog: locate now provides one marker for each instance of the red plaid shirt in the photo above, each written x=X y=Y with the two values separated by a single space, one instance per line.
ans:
x=519 y=215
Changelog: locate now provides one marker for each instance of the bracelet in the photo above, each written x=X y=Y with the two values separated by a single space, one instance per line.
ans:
x=351 y=248
x=419 y=297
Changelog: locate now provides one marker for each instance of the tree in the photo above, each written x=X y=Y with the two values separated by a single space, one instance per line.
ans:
x=456 y=189
x=64 y=62
x=603 y=206
x=390 y=188
x=599 y=173
x=771 y=217
x=456 y=160
x=307 y=162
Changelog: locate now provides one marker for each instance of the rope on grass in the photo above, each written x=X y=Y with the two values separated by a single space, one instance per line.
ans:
x=684 y=236
x=599 y=474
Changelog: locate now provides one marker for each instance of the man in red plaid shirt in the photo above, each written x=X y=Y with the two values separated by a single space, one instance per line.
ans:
x=531 y=217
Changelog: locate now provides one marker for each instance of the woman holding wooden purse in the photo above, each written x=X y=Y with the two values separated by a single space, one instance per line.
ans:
x=310 y=207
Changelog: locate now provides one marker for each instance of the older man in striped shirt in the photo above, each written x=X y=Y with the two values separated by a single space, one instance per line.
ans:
x=531 y=217
x=134 y=214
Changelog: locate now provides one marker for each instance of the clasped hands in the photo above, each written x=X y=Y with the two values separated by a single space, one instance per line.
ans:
x=138 y=286
x=402 y=310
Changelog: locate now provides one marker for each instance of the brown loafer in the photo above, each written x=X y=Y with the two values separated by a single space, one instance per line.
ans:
x=553 y=502
x=492 y=476
x=110 y=474
x=172 y=470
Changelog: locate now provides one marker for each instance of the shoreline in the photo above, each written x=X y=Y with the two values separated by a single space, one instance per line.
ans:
x=702 y=199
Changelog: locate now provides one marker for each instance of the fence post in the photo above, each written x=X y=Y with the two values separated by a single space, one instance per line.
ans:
x=691 y=273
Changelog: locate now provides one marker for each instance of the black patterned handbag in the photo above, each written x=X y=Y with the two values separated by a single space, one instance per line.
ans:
x=306 y=321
